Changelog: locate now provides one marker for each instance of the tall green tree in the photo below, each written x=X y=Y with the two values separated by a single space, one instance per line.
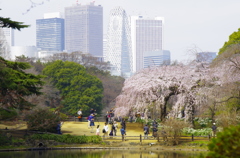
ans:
x=234 y=38
x=77 y=87
x=15 y=84
x=112 y=85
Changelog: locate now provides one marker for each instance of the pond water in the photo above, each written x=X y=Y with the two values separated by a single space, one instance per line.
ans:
x=77 y=153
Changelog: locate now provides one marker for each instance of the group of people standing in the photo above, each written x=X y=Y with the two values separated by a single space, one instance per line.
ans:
x=110 y=128
x=146 y=130
x=109 y=117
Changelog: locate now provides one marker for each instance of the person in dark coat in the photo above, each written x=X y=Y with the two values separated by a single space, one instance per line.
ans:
x=146 y=131
x=214 y=130
x=123 y=123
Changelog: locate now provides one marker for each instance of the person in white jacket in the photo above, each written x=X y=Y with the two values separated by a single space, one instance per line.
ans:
x=98 y=130
x=106 y=130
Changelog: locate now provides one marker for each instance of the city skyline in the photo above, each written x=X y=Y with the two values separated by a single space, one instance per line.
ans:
x=205 y=25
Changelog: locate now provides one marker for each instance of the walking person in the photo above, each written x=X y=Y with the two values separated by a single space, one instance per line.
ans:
x=59 y=126
x=92 y=111
x=92 y=124
x=111 y=132
x=106 y=117
x=123 y=123
x=98 y=130
x=105 y=129
x=142 y=115
x=115 y=127
x=89 y=119
x=214 y=130
x=109 y=117
x=111 y=113
x=123 y=133
x=79 y=115
x=155 y=132
x=154 y=124
x=146 y=131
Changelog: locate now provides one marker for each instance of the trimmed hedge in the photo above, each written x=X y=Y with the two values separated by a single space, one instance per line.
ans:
x=69 y=139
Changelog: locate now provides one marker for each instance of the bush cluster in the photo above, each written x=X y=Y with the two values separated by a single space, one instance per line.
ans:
x=69 y=139
x=173 y=129
x=42 y=119
x=226 y=144
x=202 y=122
x=197 y=132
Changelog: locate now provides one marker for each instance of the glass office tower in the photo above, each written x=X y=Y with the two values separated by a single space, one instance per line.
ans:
x=156 y=58
x=84 y=29
x=147 y=36
x=50 y=32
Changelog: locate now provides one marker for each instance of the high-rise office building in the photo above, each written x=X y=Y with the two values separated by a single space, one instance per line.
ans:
x=6 y=39
x=84 y=29
x=119 y=52
x=147 y=36
x=9 y=35
x=50 y=32
x=205 y=56
x=156 y=58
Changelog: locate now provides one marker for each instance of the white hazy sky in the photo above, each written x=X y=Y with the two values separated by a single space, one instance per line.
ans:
x=205 y=24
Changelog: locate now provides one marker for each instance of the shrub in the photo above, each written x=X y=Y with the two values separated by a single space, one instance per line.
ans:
x=42 y=119
x=226 y=144
x=202 y=122
x=197 y=132
x=173 y=129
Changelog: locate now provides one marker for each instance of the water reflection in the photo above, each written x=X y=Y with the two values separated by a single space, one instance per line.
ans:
x=77 y=153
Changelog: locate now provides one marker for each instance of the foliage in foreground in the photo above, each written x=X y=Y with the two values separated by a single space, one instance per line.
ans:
x=7 y=140
x=68 y=138
x=226 y=144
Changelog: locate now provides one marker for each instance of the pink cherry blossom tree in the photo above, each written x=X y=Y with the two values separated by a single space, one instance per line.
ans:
x=177 y=90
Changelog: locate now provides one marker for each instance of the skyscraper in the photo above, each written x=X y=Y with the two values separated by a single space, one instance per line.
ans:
x=6 y=39
x=147 y=36
x=119 y=52
x=9 y=34
x=84 y=29
x=205 y=56
x=50 y=32
x=156 y=58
